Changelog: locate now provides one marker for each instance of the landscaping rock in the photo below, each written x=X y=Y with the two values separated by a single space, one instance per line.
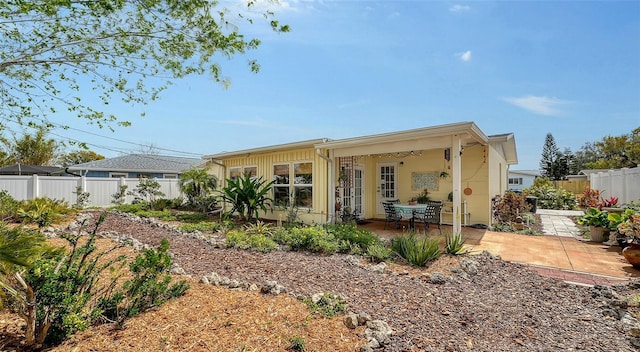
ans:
x=379 y=268
x=437 y=278
x=470 y=266
x=350 y=321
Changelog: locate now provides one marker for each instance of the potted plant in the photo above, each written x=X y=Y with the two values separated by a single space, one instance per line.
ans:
x=598 y=223
x=630 y=228
x=615 y=219
x=423 y=197
x=413 y=201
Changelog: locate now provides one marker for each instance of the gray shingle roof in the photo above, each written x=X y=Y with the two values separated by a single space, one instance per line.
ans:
x=140 y=163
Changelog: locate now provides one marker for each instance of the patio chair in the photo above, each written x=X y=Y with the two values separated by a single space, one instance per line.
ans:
x=431 y=215
x=391 y=215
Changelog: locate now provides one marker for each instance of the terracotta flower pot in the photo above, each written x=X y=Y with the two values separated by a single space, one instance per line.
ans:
x=632 y=254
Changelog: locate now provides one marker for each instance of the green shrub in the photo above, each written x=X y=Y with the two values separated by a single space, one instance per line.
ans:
x=162 y=204
x=59 y=294
x=243 y=240
x=150 y=286
x=132 y=208
x=147 y=190
x=352 y=235
x=296 y=238
x=549 y=197
x=261 y=243
x=329 y=305
x=120 y=196
x=323 y=242
x=296 y=344
x=42 y=211
x=237 y=239
x=203 y=226
x=312 y=238
x=379 y=252
x=8 y=207
x=417 y=251
x=191 y=217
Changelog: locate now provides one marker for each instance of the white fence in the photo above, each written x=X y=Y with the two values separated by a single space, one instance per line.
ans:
x=63 y=188
x=623 y=183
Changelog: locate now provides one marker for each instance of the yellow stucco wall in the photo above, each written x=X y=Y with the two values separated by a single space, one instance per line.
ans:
x=480 y=164
x=265 y=162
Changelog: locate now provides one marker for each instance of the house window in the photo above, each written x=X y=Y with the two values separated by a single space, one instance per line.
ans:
x=117 y=175
x=515 y=181
x=171 y=176
x=301 y=188
x=303 y=184
x=281 y=184
x=251 y=170
x=236 y=172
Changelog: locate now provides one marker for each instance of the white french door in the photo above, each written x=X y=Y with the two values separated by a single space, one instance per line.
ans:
x=353 y=196
x=387 y=188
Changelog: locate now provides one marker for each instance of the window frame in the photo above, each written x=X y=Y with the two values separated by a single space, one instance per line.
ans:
x=292 y=187
x=518 y=181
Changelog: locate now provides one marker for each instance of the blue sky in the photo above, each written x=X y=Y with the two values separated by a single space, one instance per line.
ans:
x=353 y=68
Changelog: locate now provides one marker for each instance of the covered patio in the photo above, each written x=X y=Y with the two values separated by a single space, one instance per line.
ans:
x=456 y=164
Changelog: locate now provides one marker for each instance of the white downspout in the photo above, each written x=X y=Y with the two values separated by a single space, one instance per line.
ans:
x=331 y=199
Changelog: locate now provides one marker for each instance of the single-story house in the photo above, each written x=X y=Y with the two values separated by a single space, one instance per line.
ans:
x=520 y=179
x=456 y=163
x=21 y=169
x=136 y=166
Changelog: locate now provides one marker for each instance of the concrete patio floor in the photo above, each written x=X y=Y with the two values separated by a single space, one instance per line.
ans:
x=567 y=258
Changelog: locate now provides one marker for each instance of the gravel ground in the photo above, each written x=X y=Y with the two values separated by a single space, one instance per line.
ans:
x=505 y=307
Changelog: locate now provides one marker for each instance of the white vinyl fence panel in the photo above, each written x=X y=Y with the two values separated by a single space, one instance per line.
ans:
x=100 y=189
x=623 y=183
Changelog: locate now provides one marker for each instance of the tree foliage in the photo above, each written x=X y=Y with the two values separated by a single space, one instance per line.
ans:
x=55 y=49
x=31 y=149
x=614 y=152
x=554 y=164
x=79 y=157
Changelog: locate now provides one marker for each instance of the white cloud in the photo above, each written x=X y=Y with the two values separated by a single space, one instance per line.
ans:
x=459 y=8
x=466 y=56
x=538 y=105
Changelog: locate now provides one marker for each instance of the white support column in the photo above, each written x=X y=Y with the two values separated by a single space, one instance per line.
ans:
x=331 y=207
x=456 y=151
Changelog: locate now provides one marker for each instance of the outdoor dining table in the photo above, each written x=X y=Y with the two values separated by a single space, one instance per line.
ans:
x=408 y=211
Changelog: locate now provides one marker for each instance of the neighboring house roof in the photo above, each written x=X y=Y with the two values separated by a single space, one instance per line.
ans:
x=535 y=173
x=591 y=171
x=140 y=163
x=21 y=169
x=425 y=138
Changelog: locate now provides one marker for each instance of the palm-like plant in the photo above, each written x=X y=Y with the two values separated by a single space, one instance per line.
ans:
x=248 y=195
x=197 y=185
